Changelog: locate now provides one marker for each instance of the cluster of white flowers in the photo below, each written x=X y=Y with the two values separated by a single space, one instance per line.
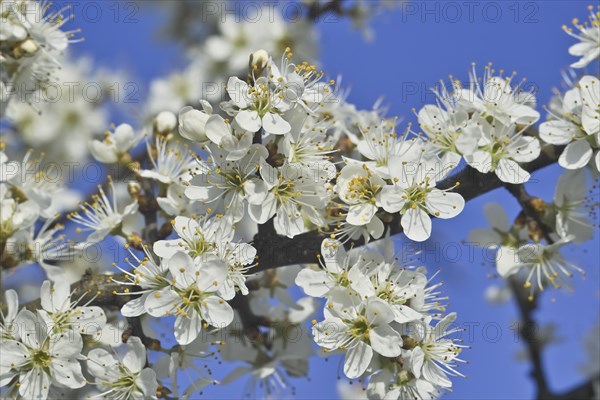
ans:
x=284 y=154
x=575 y=122
x=28 y=196
x=194 y=277
x=31 y=41
x=42 y=351
x=380 y=313
x=224 y=53
x=485 y=124
x=66 y=115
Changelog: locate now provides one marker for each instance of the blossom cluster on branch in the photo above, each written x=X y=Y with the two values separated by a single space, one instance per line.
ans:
x=285 y=157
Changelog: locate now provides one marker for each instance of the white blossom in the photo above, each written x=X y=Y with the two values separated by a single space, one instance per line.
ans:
x=63 y=315
x=257 y=106
x=293 y=196
x=494 y=96
x=542 y=263
x=192 y=298
x=588 y=47
x=104 y=216
x=125 y=378
x=228 y=185
x=577 y=126
x=501 y=150
x=414 y=195
x=361 y=328
x=116 y=145
x=172 y=164
x=37 y=359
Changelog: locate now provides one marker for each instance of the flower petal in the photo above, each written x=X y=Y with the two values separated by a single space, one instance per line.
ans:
x=357 y=360
x=576 y=155
x=416 y=224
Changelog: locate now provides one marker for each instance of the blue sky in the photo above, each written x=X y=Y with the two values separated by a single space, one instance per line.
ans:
x=412 y=50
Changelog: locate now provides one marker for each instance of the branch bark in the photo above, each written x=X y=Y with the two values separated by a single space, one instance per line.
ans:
x=527 y=307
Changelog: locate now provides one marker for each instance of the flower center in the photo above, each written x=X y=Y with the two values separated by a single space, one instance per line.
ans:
x=361 y=190
x=41 y=358
x=360 y=328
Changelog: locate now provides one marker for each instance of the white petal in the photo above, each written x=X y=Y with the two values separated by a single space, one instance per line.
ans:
x=416 y=224
x=496 y=216
x=357 y=360
x=590 y=96
x=526 y=149
x=385 y=341
x=161 y=303
x=65 y=345
x=485 y=237
x=314 y=283
x=35 y=384
x=275 y=124
x=248 y=120
x=238 y=92
x=135 y=357
x=480 y=160
x=187 y=328
x=183 y=269
x=67 y=373
x=435 y=375
x=101 y=363
x=361 y=283
x=510 y=171
x=14 y=354
x=576 y=155
x=558 y=132
x=217 y=312
x=217 y=129
x=507 y=261
x=444 y=204
x=103 y=152
x=405 y=314
x=417 y=358
x=378 y=311
x=212 y=273
x=134 y=308
x=361 y=214
x=146 y=381
x=167 y=248
x=391 y=199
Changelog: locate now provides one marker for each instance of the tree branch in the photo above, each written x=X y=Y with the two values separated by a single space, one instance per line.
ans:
x=527 y=306
x=527 y=330
x=531 y=209
x=276 y=251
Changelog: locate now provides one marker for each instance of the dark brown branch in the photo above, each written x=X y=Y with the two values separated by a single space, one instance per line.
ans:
x=527 y=306
x=318 y=10
x=585 y=391
x=527 y=330
x=532 y=209
x=276 y=251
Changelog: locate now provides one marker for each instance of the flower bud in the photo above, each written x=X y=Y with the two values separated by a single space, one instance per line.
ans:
x=165 y=122
x=29 y=46
x=192 y=124
x=258 y=61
